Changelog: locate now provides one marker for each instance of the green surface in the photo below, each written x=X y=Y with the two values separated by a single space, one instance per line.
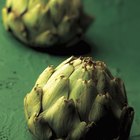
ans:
x=114 y=38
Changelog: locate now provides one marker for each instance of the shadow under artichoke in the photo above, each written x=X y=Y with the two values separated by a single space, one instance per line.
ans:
x=80 y=48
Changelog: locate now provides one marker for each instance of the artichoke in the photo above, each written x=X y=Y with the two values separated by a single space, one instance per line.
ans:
x=78 y=100
x=46 y=23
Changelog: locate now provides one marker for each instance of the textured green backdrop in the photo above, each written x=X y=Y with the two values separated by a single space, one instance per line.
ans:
x=114 y=38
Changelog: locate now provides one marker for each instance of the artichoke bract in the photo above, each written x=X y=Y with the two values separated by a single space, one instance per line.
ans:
x=46 y=23
x=78 y=100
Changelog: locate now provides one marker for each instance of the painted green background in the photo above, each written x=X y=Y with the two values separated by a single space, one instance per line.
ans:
x=114 y=38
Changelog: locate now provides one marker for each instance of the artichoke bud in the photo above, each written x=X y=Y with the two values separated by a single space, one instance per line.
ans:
x=77 y=100
x=48 y=23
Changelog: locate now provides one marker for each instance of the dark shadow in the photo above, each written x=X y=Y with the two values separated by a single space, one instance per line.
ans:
x=105 y=129
x=83 y=47
x=80 y=48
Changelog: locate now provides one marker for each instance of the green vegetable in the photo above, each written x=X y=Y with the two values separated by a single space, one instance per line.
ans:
x=45 y=23
x=78 y=100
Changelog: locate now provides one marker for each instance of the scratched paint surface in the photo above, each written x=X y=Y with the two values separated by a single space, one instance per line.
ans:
x=113 y=38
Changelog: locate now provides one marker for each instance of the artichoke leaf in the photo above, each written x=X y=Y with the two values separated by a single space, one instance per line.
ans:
x=17 y=26
x=51 y=94
x=55 y=6
x=100 y=107
x=33 y=14
x=65 y=70
x=86 y=99
x=32 y=102
x=47 y=38
x=61 y=114
x=19 y=6
x=44 y=76
x=69 y=60
x=118 y=92
x=5 y=18
x=78 y=132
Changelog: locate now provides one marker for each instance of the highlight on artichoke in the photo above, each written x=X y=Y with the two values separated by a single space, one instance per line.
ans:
x=46 y=23
x=78 y=100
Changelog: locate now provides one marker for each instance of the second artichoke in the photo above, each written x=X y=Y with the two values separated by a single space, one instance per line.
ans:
x=45 y=23
x=78 y=100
